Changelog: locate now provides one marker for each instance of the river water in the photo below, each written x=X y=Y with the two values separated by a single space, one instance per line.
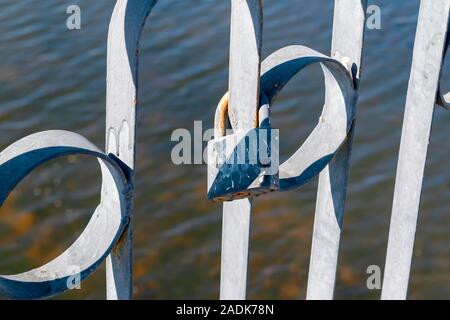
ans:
x=52 y=78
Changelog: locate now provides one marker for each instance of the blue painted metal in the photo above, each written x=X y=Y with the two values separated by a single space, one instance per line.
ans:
x=244 y=163
x=337 y=116
x=233 y=181
x=429 y=46
x=105 y=227
x=443 y=97
x=111 y=220
x=125 y=30
x=326 y=152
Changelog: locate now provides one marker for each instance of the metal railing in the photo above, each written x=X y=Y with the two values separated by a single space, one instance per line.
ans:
x=253 y=86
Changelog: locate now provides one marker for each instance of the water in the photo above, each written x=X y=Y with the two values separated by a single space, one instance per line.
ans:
x=52 y=78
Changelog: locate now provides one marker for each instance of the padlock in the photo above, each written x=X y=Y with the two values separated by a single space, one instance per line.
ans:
x=244 y=163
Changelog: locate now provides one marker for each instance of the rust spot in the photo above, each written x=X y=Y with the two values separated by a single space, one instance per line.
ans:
x=241 y=194
x=256 y=121
x=121 y=241
x=222 y=108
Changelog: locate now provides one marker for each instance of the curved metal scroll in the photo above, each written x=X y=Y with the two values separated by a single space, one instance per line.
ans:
x=337 y=115
x=105 y=227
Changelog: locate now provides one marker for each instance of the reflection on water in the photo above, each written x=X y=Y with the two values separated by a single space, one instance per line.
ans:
x=51 y=78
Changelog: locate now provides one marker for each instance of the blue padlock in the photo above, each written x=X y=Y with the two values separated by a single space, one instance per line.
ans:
x=244 y=163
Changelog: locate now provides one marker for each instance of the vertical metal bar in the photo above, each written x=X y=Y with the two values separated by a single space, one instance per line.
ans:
x=348 y=34
x=235 y=242
x=245 y=61
x=125 y=29
x=423 y=85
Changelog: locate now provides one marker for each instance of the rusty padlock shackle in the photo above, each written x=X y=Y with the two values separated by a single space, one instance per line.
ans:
x=221 y=115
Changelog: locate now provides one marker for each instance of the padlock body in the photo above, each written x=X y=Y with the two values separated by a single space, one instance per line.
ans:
x=243 y=164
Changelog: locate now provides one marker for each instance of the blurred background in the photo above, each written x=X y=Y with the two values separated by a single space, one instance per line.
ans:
x=53 y=78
